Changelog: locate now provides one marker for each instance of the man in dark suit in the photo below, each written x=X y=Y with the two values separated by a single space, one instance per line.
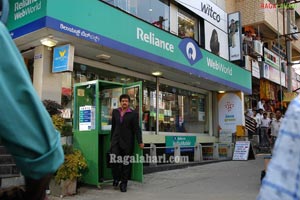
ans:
x=125 y=127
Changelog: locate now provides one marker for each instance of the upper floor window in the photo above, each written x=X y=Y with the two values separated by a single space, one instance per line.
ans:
x=156 y=12
x=187 y=25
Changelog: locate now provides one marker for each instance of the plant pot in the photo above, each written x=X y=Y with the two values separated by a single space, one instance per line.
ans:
x=65 y=188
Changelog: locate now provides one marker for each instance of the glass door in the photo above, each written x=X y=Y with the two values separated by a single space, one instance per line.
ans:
x=134 y=90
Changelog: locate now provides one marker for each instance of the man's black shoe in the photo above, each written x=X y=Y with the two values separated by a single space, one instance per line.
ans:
x=116 y=184
x=123 y=187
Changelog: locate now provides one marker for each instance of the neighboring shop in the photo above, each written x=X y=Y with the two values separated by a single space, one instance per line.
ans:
x=112 y=45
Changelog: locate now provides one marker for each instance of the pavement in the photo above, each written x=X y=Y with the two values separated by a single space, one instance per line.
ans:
x=227 y=180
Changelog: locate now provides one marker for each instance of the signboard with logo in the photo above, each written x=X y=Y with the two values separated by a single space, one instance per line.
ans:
x=231 y=111
x=142 y=40
x=63 y=58
x=216 y=41
x=271 y=58
x=186 y=143
x=235 y=36
x=22 y=12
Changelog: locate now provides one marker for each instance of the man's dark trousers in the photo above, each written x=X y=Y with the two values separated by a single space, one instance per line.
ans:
x=121 y=171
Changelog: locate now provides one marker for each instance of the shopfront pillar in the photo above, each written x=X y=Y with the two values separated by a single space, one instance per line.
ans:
x=47 y=84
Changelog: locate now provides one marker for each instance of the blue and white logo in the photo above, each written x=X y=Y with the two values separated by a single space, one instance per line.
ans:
x=190 y=50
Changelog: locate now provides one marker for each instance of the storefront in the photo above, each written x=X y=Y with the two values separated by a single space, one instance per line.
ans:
x=114 y=46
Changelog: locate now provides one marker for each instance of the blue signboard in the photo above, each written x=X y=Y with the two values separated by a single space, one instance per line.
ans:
x=63 y=57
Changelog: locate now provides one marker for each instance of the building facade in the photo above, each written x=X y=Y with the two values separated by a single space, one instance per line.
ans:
x=271 y=46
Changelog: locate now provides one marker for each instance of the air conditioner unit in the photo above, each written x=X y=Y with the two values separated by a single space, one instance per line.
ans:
x=294 y=29
x=258 y=47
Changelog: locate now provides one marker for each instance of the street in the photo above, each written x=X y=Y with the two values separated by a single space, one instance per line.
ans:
x=228 y=180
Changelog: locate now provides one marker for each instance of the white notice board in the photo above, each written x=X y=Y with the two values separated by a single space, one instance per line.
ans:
x=241 y=150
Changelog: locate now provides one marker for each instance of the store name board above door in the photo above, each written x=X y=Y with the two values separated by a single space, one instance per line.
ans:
x=151 y=39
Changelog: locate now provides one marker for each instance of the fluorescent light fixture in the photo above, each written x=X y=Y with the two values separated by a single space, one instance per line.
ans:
x=221 y=92
x=157 y=73
x=103 y=56
x=48 y=42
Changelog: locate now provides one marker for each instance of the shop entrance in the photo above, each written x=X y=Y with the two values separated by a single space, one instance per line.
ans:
x=93 y=105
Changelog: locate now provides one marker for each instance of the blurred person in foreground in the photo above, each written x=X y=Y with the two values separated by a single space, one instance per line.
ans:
x=282 y=178
x=26 y=129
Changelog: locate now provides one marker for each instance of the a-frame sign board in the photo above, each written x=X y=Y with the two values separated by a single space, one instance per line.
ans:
x=243 y=151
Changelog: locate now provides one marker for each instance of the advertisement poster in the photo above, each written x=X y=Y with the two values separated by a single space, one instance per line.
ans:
x=86 y=118
x=234 y=36
x=216 y=41
x=230 y=112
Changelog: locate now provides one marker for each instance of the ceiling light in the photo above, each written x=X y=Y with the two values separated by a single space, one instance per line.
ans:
x=49 y=42
x=221 y=92
x=103 y=56
x=157 y=73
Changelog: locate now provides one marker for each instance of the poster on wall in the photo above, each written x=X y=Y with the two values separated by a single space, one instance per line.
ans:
x=216 y=41
x=234 y=36
x=231 y=112
x=87 y=118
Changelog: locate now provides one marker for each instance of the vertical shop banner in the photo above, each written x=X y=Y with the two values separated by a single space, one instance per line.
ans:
x=255 y=69
x=186 y=143
x=63 y=58
x=235 y=36
x=231 y=112
x=216 y=41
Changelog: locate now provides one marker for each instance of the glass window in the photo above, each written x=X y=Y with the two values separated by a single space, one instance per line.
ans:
x=187 y=25
x=156 y=12
x=149 y=106
x=179 y=110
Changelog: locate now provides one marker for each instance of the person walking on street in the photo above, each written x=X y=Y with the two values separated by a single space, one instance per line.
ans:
x=125 y=128
x=275 y=125
x=282 y=178
x=265 y=124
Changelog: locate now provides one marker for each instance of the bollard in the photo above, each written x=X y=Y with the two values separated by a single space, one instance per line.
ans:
x=176 y=153
x=153 y=157
x=230 y=151
x=216 y=151
x=198 y=157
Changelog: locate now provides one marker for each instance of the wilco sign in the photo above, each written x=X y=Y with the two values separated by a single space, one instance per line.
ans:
x=208 y=11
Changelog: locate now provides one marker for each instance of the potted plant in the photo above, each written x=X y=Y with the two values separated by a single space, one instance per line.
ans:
x=67 y=132
x=67 y=175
